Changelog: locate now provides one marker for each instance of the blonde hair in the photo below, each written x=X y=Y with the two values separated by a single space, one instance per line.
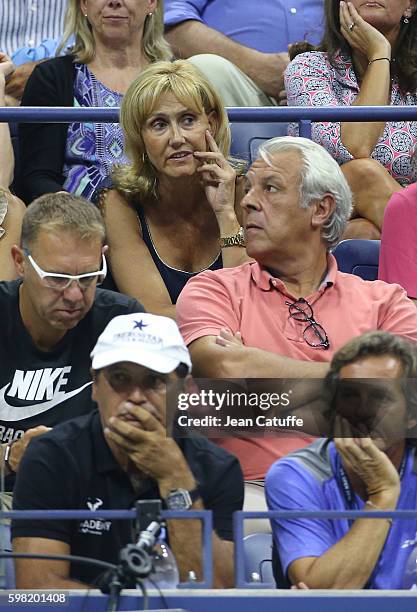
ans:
x=154 y=45
x=192 y=89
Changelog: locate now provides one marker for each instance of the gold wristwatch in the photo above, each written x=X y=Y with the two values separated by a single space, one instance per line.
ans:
x=235 y=240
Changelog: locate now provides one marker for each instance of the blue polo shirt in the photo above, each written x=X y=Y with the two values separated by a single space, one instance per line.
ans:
x=313 y=482
x=268 y=26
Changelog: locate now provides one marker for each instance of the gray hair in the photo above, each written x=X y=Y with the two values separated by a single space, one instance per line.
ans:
x=62 y=212
x=320 y=174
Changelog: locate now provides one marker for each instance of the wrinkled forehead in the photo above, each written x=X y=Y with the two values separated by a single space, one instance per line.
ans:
x=280 y=165
x=59 y=238
x=168 y=99
x=373 y=367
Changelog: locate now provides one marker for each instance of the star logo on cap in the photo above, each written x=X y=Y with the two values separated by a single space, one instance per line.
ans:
x=140 y=325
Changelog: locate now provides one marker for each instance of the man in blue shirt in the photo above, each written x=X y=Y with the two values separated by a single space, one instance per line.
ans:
x=29 y=32
x=370 y=465
x=254 y=36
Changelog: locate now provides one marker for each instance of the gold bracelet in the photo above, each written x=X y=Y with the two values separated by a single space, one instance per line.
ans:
x=231 y=241
x=378 y=59
x=369 y=503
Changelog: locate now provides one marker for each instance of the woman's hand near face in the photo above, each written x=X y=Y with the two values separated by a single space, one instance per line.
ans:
x=362 y=37
x=219 y=181
x=367 y=44
x=218 y=178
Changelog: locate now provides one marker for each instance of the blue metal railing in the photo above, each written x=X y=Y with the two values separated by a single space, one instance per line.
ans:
x=303 y=115
x=206 y=517
x=203 y=515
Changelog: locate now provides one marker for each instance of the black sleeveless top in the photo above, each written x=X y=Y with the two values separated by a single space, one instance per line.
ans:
x=174 y=279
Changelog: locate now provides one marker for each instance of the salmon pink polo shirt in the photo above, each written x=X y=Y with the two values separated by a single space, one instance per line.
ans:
x=251 y=300
x=398 y=254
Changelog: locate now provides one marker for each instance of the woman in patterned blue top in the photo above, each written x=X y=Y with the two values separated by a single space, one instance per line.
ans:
x=176 y=199
x=114 y=43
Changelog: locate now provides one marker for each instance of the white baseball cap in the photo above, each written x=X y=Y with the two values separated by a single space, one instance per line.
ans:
x=146 y=339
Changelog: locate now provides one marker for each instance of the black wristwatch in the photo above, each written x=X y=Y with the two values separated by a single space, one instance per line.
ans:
x=181 y=499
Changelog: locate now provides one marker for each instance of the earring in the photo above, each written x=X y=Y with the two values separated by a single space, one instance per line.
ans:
x=85 y=14
x=150 y=14
x=406 y=20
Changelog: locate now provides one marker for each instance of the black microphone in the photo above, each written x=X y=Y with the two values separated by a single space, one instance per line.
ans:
x=135 y=564
x=135 y=560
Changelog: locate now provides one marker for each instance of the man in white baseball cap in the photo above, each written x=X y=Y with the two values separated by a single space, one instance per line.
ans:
x=148 y=340
x=119 y=454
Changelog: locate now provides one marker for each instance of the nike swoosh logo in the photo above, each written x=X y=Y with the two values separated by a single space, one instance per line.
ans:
x=19 y=413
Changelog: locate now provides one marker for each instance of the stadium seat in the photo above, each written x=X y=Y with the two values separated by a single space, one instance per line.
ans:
x=258 y=558
x=359 y=257
x=247 y=137
x=255 y=502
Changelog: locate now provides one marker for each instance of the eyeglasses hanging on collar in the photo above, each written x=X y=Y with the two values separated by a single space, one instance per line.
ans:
x=314 y=334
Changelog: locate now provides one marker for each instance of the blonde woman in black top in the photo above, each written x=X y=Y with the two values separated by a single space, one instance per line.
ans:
x=174 y=211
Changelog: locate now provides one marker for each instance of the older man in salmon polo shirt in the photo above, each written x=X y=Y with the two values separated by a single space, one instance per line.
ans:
x=288 y=311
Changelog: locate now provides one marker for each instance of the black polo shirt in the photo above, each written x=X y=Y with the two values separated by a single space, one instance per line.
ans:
x=72 y=467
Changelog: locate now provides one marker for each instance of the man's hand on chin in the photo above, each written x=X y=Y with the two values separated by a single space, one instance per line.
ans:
x=142 y=436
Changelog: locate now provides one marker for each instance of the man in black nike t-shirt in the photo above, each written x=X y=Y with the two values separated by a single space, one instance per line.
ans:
x=51 y=319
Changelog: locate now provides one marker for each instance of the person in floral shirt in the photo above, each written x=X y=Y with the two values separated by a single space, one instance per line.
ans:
x=368 y=57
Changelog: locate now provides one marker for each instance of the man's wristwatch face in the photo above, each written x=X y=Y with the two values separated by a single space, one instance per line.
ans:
x=180 y=499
